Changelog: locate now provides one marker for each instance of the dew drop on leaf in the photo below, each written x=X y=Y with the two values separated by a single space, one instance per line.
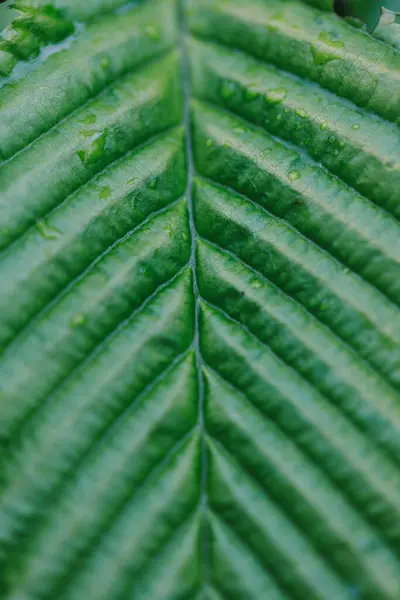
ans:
x=251 y=94
x=276 y=96
x=105 y=62
x=228 y=89
x=153 y=32
x=47 y=231
x=89 y=119
x=153 y=183
x=169 y=229
x=256 y=284
x=293 y=175
x=105 y=192
x=326 y=48
x=301 y=113
x=77 y=320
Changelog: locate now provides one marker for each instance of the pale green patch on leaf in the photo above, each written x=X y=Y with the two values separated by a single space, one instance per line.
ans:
x=199 y=302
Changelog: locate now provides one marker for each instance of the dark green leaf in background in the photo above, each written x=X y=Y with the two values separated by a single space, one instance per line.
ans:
x=199 y=302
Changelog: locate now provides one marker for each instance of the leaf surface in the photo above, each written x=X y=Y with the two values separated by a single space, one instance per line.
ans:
x=200 y=302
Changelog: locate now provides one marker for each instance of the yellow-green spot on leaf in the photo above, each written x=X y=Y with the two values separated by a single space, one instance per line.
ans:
x=47 y=231
x=209 y=142
x=324 y=126
x=356 y=126
x=239 y=130
x=276 y=95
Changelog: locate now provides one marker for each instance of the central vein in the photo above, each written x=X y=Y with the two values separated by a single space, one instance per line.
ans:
x=196 y=341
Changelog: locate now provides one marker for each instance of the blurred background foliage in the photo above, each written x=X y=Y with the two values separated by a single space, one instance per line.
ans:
x=6 y=14
x=366 y=10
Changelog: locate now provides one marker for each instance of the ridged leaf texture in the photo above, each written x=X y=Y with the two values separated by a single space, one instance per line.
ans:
x=200 y=302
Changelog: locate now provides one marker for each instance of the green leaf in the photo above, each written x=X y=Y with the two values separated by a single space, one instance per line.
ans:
x=200 y=302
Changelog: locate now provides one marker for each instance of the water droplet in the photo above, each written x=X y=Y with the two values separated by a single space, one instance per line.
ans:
x=47 y=231
x=89 y=119
x=169 y=229
x=105 y=62
x=228 y=89
x=355 y=126
x=331 y=39
x=209 y=142
x=88 y=132
x=301 y=113
x=327 y=48
x=153 y=183
x=251 y=94
x=293 y=175
x=276 y=95
x=77 y=320
x=324 y=126
x=95 y=150
x=153 y=32
x=256 y=284
x=105 y=192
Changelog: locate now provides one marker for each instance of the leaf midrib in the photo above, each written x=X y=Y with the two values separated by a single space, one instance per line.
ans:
x=186 y=91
